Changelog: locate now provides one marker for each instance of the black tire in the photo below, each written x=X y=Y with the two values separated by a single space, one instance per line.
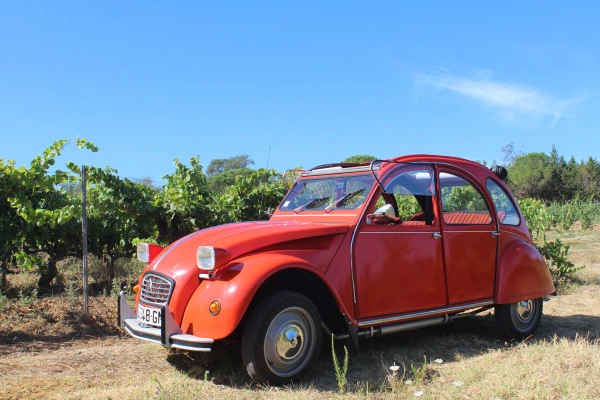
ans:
x=519 y=320
x=282 y=338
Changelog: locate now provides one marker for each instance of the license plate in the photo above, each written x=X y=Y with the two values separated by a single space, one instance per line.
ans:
x=147 y=315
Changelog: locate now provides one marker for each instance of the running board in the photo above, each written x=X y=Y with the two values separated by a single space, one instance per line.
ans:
x=388 y=329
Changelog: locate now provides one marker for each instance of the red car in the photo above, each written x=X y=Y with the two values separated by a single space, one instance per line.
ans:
x=353 y=250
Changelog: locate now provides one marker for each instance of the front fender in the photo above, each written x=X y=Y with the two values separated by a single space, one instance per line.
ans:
x=234 y=286
x=522 y=273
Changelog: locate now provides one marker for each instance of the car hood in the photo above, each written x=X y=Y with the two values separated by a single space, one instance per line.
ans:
x=239 y=239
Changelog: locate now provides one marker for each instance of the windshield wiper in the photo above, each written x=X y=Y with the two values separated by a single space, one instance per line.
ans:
x=310 y=204
x=343 y=199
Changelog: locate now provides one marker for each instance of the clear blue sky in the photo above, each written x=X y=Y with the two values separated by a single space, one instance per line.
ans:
x=316 y=82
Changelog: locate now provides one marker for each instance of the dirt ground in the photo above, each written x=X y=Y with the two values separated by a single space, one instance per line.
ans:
x=105 y=364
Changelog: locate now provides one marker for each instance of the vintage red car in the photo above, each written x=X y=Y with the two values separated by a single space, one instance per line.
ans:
x=353 y=250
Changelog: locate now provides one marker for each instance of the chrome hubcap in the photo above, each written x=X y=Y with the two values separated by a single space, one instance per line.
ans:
x=524 y=315
x=289 y=341
x=525 y=310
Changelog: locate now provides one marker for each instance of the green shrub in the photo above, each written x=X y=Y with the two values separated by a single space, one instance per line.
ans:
x=541 y=218
x=556 y=253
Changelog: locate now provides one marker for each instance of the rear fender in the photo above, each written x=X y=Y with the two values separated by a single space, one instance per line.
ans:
x=522 y=273
x=235 y=287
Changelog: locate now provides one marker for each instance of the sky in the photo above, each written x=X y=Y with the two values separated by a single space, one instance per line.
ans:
x=296 y=83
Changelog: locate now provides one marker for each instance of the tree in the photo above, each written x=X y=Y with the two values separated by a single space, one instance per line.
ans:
x=221 y=165
x=570 y=179
x=527 y=175
x=510 y=154
x=555 y=188
x=589 y=178
x=146 y=181
x=359 y=159
x=220 y=182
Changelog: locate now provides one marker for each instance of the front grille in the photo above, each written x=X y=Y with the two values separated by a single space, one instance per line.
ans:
x=155 y=289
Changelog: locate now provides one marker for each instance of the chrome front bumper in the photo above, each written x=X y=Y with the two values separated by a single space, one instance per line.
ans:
x=169 y=334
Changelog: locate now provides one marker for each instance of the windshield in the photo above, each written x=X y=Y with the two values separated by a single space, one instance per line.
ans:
x=339 y=192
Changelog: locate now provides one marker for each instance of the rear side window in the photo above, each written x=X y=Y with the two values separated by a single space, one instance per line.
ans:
x=462 y=204
x=507 y=212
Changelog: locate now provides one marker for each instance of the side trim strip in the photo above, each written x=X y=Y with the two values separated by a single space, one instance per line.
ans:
x=424 y=313
x=397 y=233
x=490 y=231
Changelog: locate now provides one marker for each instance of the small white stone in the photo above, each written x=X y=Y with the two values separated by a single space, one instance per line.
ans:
x=438 y=361
x=418 y=393
x=457 y=383
x=408 y=382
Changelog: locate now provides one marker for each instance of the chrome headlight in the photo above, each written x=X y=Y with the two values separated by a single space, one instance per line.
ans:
x=146 y=252
x=143 y=253
x=205 y=258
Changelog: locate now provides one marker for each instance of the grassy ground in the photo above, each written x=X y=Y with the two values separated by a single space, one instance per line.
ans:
x=48 y=350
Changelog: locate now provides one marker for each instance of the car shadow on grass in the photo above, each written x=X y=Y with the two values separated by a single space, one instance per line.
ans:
x=222 y=365
x=462 y=339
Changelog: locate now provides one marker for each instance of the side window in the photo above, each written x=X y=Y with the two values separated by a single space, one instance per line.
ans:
x=462 y=204
x=507 y=213
x=412 y=192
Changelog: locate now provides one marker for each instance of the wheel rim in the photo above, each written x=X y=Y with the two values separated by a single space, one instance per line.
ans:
x=289 y=341
x=523 y=314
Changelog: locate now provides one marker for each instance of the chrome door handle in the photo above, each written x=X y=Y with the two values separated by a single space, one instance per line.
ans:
x=437 y=235
x=495 y=233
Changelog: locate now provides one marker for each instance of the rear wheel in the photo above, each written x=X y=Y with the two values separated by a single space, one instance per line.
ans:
x=519 y=320
x=282 y=338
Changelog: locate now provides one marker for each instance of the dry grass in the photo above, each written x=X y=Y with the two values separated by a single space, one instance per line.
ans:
x=584 y=245
x=87 y=358
x=584 y=251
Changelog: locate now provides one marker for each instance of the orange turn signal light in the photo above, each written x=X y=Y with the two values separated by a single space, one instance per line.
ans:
x=136 y=288
x=215 y=307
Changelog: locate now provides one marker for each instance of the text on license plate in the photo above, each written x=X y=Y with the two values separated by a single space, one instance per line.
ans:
x=147 y=315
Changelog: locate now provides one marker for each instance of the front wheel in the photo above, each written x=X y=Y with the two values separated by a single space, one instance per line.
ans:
x=282 y=338
x=519 y=320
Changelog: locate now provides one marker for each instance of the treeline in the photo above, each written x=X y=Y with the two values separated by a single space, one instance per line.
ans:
x=549 y=177
x=40 y=210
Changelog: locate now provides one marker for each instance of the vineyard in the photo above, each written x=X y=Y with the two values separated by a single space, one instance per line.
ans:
x=40 y=211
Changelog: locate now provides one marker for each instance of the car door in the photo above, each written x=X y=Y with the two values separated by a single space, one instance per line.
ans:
x=469 y=237
x=399 y=263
